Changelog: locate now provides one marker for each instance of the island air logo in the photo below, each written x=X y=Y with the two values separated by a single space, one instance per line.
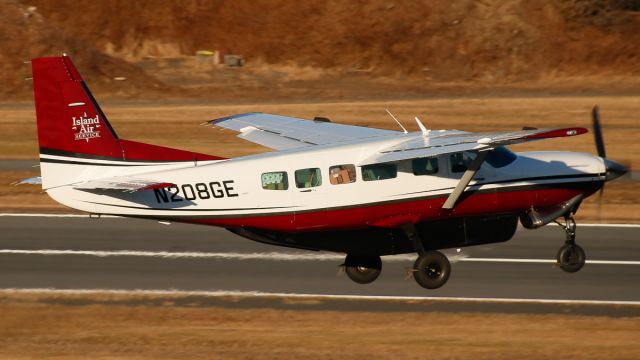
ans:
x=85 y=127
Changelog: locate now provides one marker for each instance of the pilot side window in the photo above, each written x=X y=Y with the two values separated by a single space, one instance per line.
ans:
x=306 y=178
x=425 y=166
x=342 y=174
x=276 y=180
x=379 y=172
x=460 y=161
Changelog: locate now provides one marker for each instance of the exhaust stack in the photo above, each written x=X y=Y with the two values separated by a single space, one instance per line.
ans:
x=534 y=219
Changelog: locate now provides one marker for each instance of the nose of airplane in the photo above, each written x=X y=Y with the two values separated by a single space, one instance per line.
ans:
x=614 y=169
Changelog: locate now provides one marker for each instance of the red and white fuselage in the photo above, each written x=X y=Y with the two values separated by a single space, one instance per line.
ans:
x=326 y=187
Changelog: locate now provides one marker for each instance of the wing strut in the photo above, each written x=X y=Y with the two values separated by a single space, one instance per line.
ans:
x=465 y=180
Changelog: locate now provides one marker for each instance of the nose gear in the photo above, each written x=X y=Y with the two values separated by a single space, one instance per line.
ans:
x=571 y=257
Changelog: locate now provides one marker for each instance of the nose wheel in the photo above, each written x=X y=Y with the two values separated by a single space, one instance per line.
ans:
x=571 y=257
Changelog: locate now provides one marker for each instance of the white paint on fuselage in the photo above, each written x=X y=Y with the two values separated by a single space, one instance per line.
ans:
x=245 y=172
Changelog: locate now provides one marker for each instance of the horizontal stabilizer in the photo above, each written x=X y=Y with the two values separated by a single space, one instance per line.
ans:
x=122 y=184
x=36 y=180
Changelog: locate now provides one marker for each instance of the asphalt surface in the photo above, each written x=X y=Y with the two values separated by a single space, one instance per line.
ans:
x=317 y=273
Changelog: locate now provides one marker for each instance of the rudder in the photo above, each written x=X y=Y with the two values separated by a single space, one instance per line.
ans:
x=75 y=138
x=69 y=119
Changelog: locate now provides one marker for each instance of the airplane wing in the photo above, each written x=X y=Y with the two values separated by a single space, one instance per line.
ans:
x=283 y=132
x=452 y=141
x=123 y=184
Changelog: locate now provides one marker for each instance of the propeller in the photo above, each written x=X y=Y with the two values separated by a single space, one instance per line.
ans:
x=597 y=134
x=597 y=131
x=613 y=169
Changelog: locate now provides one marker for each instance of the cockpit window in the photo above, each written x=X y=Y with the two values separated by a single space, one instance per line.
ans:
x=276 y=180
x=460 y=161
x=500 y=157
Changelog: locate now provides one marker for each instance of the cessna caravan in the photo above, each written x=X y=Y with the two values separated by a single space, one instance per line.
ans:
x=360 y=191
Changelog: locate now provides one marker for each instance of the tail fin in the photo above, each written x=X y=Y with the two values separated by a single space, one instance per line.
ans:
x=69 y=119
x=73 y=130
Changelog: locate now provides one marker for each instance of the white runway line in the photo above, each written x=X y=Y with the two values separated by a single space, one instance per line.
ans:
x=275 y=256
x=278 y=256
x=55 y=215
x=550 y=261
x=124 y=217
x=247 y=294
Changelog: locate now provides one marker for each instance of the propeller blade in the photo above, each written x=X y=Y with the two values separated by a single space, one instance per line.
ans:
x=597 y=131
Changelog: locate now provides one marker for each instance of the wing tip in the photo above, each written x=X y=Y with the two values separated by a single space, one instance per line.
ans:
x=564 y=132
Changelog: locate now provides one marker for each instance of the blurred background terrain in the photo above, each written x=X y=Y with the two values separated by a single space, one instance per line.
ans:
x=159 y=68
x=294 y=48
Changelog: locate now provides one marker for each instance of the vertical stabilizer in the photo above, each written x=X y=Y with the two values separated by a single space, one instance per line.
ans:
x=76 y=141
x=70 y=122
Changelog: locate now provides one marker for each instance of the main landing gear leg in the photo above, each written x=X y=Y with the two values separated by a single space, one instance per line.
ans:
x=571 y=256
x=432 y=268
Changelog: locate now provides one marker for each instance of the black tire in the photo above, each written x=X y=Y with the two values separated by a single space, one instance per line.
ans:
x=363 y=269
x=431 y=270
x=571 y=258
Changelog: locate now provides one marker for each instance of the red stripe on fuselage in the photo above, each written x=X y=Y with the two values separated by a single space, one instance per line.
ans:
x=500 y=202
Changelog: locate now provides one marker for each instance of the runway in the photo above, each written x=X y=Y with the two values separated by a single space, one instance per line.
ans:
x=67 y=253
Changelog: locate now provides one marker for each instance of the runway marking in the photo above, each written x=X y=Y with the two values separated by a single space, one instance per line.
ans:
x=55 y=215
x=550 y=261
x=124 y=217
x=240 y=293
x=280 y=256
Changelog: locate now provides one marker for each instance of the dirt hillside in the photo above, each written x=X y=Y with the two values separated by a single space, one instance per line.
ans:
x=25 y=33
x=440 y=40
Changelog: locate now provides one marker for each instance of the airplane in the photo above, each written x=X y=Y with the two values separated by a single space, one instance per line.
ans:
x=360 y=191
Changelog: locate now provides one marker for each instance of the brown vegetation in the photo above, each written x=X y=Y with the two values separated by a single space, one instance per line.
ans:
x=426 y=44
x=110 y=330
x=493 y=65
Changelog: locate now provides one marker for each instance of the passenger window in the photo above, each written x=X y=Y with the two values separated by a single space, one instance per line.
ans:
x=379 y=172
x=306 y=178
x=425 y=166
x=460 y=161
x=342 y=174
x=276 y=180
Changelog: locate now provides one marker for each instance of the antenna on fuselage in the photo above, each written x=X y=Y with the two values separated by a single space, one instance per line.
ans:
x=424 y=130
x=394 y=118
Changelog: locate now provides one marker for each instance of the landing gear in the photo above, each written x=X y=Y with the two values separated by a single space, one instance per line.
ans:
x=363 y=269
x=431 y=270
x=571 y=257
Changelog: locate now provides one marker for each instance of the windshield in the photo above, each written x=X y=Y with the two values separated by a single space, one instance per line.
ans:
x=500 y=157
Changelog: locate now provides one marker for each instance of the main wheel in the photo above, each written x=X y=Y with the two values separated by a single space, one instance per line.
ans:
x=362 y=269
x=431 y=270
x=571 y=258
